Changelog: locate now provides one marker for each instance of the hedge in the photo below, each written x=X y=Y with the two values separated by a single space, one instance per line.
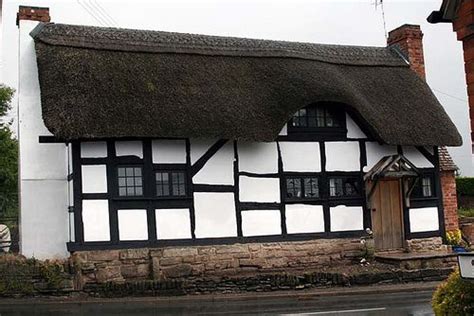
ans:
x=465 y=186
x=455 y=296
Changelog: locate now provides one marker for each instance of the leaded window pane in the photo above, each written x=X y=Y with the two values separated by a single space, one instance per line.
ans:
x=426 y=185
x=311 y=188
x=130 y=181
x=293 y=188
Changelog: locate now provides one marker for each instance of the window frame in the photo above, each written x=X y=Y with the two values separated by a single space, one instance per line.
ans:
x=430 y=174
x=302 y=177
x=117 y=180
x=170 y=183
x=359 y=181
x=339 y=114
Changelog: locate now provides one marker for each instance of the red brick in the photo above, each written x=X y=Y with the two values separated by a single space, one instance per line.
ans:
x=450 y=204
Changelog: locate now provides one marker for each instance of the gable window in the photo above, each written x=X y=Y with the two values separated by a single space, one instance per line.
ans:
x=130 y=181
x=170 y=183
x=424 y=188
x=344 y=187
x=318 y=118
x=302 y=187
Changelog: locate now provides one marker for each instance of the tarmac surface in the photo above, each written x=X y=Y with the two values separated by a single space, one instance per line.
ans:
x=408 y=299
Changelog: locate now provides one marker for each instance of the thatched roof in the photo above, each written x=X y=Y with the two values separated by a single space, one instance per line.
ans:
x=106 y=82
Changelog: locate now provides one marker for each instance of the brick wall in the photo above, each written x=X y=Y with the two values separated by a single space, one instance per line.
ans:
x=450 y=202
x=463 y=25
x=39 y=14
x=211 y=261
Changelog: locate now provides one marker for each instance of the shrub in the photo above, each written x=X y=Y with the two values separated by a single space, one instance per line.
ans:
x=454 y=237
x=454 y=296
x=465 y=186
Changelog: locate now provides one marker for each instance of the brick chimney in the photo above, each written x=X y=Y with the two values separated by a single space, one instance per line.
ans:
x=407 y=39
x=40 y=14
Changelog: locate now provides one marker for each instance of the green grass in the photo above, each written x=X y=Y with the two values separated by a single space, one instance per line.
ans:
x=466 y=212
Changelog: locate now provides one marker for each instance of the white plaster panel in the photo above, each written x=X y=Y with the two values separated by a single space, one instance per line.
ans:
x=169 y=151
x=284 y=130
x=423 y=219
x=345 y=218
x=342 y=156
x=132 y=224
x=93 y=149
x=69 y=159
x=173 y=223
x=44 y=219
x=95 y=218
x=376 y=151
x=261 y=223
x=416 y=157
x=129 y=148
x=353 y=130
x=258 y=157
x=219 y=169
x=199 y=146
x=301 y=156
x=215 y=215
x=259 y=189
x=72 y=229
x=94 y=179
x=301 y=218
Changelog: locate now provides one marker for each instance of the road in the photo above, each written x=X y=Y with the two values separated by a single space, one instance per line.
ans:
x=402 y=303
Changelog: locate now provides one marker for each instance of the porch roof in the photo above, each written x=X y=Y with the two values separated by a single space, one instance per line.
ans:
x=107 y=82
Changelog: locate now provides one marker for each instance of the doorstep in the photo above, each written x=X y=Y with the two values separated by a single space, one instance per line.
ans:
x=418 y=260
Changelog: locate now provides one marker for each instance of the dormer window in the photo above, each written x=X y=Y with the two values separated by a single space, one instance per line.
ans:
x=324 y=119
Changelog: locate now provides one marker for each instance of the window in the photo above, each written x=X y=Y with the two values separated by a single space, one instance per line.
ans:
x=170 y=183
x=344 y=187
x=317 y=118
x=423 y=188
x=130 y=181
x=302 y=188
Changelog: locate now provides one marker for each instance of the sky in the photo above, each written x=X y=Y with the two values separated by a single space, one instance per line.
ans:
x=352 y=22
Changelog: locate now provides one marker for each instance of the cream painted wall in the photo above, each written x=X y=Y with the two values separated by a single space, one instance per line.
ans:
x=43 y=167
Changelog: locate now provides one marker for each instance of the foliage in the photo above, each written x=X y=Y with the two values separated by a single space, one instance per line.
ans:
x=8 y=158
x=466 y=212
x=465 y=186
x=455 y=296
x=454 y=237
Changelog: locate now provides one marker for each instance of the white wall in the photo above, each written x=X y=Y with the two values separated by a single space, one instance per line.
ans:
x=169 y=151
x=43 y=167
x=133 y=224
x=93 y=149
x=261 y=223
x=301 y=218
x=342 y=156
x=173 y=223
x=258 y=157
x=416 y=157
x=219 y=169
x=215 y=215
x=345 y=218
x=423 y=219
x=95 y=217
x=353 y=130
x=253 y=189
x=94 y=178
x=301 y=156
x=129 y=148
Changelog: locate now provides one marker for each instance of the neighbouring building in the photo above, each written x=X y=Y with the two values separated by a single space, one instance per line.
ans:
x=177 y=154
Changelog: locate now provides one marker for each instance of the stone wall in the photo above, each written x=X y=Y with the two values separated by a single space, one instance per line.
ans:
x=426 y=245
x=167 y=263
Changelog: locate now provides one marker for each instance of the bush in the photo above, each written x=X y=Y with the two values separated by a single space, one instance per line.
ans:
x=454 y=296
x=465 y=186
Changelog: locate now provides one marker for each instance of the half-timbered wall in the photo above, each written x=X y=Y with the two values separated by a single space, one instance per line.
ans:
x=235 y=191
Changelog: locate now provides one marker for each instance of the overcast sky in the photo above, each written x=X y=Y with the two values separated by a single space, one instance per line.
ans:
x=354 y=22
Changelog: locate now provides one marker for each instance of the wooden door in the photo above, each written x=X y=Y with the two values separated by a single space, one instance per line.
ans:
x=387 y=216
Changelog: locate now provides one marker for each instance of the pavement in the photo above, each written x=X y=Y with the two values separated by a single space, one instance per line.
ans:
x=400 y=299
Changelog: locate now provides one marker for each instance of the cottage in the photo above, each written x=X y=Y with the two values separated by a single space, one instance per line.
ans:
x=183 y=146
